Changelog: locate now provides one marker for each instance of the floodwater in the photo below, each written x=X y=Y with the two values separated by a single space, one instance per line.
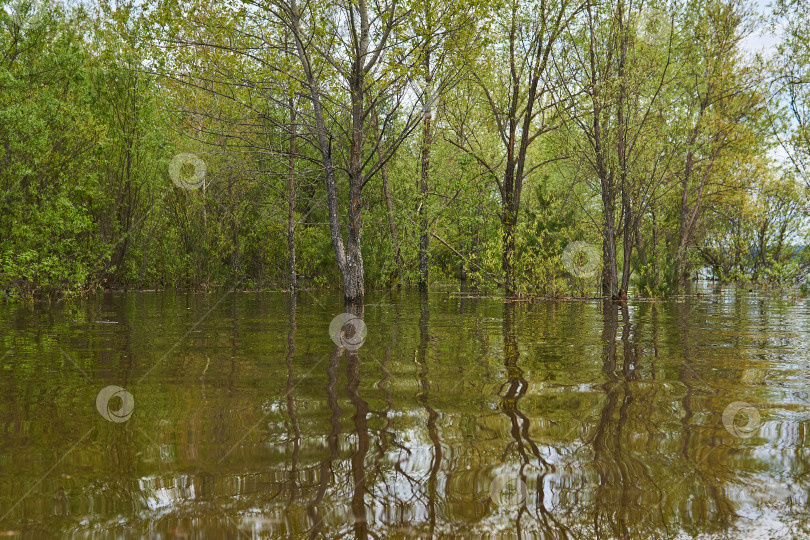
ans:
x=236 y=415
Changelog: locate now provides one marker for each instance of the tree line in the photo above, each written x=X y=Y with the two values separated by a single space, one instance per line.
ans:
x=289 y=144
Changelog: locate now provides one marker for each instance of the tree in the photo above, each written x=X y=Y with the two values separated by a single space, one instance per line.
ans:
x=359 y=44
x=722 y=105
x=520 y=98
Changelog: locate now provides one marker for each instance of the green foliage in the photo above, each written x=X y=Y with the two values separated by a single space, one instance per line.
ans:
x=92 y=111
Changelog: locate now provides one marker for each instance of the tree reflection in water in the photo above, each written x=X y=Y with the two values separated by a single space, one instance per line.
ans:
x=609 y=414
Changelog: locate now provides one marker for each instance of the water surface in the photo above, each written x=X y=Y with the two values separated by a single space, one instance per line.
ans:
x=459 y=416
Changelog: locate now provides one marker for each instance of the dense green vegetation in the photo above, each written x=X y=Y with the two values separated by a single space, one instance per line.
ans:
x=342 y=143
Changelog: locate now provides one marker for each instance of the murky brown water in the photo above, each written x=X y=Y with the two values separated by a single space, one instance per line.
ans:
x=458 y=417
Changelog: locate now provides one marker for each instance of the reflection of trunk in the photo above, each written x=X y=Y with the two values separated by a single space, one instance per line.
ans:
x=630 y=348
x=616 y=482
x=296 y=439
x=515 y=384
x=686 y=375
x=325 y=472
x=610 y=327
x=358 y=457
x=602 y=436
x=698 y=392
x=433 y=416
x=628 y=482
x=514 y=389
x=511 y=392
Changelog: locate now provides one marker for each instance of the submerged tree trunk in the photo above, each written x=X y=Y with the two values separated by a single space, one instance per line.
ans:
x=359 y=62
x=654 y=249
x=424 y=177
x=628 y=242
x=516 y=157
x=348 y=257
x=684 y=229
x=519 y=109
x=610 y=278
x=622 y=150
x=508 y=257
x=291 y=200
x=610 y=281
x=689 y=214
x=475 y=245
x=352 y=271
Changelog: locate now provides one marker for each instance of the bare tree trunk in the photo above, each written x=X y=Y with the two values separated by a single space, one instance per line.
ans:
x=610 y=278
x=519 y=111
x=627 y=211
x=474 y=254
x=507 y=262
x=349 y=260
x=654 y=249
x=610 y=281
x=354 y=287
x=515 y=164
x=424 y=177
x=684 y=229
x=235 y=240
x=688 y=216
x=386 y=191
x=359 y=468
x=291 y=200
x=357 y=64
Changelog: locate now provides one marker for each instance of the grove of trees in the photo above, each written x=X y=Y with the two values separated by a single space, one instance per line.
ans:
x=357 y=144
